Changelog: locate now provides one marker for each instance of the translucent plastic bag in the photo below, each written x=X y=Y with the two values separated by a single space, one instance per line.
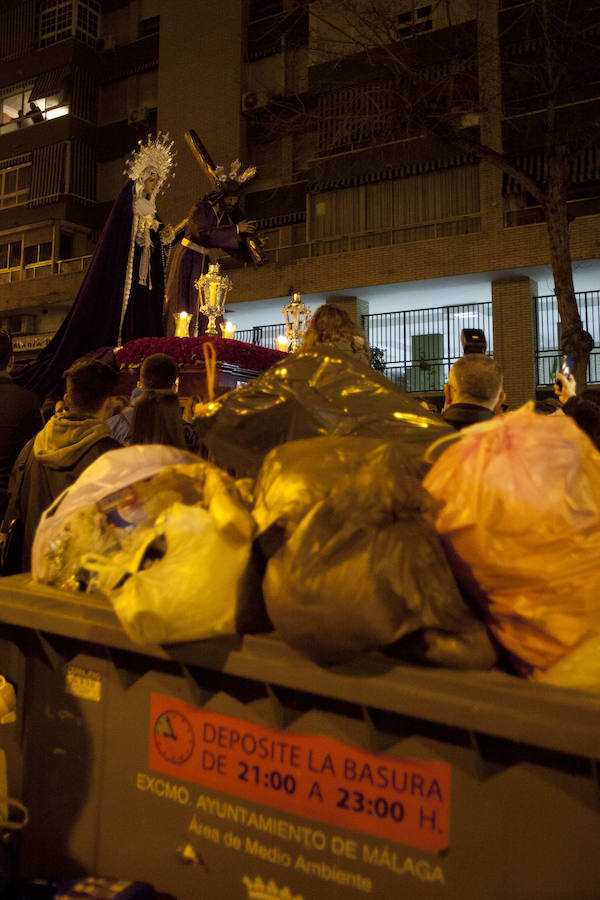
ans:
x=183 y=581
x=520 y=507
x=110 y=473
x=170 y=545
x=353 y=564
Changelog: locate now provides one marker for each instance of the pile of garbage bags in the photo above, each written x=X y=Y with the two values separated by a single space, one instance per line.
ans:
x=334 y=543
x=334 y=508
x=326 y=539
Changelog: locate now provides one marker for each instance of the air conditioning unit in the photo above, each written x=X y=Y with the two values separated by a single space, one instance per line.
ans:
x=252 y=100
x=136 y=116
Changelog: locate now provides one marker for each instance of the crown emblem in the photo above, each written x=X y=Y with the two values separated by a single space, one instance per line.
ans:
x=259 y=890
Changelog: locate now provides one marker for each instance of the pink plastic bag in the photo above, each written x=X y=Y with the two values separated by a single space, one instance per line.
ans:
x=520 y=511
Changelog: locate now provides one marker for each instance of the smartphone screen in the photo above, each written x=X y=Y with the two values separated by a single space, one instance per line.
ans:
x=567 y=366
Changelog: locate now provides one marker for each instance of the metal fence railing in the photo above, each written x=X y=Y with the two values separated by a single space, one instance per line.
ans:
x=420 y=345
x=549 y=334
x=262 y=335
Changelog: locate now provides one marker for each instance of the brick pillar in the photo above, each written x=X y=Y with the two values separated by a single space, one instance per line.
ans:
x=491 y=115
x=354 y=306
x=514 y=336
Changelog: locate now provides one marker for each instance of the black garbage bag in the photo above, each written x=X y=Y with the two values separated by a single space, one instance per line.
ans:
x=353 y=565
x=313 y=394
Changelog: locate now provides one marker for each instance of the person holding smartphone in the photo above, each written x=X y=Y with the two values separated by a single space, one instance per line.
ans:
x=584 y=408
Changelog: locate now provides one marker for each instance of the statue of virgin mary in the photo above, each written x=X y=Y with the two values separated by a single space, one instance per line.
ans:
x=121 y=296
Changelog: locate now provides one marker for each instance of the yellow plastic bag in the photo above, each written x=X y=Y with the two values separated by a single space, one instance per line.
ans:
x=193 y=590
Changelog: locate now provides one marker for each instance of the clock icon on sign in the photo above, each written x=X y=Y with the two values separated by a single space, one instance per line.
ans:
x=174 y=736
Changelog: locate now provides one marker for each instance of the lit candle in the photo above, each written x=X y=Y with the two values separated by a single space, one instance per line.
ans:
x=282 y=342
x=182 y=324
x=228 y=329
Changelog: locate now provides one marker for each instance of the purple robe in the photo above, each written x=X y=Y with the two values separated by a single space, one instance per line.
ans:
x=204 y=229
x=93 y=320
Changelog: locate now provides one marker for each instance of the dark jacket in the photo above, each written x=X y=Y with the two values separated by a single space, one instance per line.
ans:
x=48 y=464
x=122 y=423
x=459 y=415
x=20 y=419
x=586 y=414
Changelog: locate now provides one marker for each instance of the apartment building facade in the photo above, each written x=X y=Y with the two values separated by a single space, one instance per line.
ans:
x=350 y=200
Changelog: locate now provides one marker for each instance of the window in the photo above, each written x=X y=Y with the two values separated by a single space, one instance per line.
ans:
x=62 y=19
x=14 y=105
x=14 y=184
x=414 y=20
x=37 y=253
x=88 y=21
x=10 y=255
x=56 y=18
x=439 y=196
x=356 y=117
x=30 y=103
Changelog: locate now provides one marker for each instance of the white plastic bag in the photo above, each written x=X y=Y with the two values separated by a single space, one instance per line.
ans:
x=109 y=473
x=192 y=593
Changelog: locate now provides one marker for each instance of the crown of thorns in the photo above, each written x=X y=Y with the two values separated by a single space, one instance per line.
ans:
x=222 y=177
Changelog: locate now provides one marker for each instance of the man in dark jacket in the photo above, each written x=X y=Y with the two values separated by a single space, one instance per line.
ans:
x=583 y=408
x=64 y=447
x=20 y=418
x=474 y=391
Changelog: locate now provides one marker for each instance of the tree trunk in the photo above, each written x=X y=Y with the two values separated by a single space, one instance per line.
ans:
x=576 y=342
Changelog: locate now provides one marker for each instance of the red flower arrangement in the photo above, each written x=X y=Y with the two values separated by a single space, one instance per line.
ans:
x=188 y=352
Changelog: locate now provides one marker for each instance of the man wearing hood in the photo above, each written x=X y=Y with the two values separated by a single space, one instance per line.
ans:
x=65 y=446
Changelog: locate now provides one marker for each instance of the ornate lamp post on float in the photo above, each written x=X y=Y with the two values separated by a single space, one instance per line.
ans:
x=212 y=293
x=297 y=316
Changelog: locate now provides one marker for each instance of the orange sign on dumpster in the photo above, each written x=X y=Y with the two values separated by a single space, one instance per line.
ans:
x=397 y=799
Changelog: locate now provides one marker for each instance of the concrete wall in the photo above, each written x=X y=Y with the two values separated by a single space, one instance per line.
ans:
x=492 y=250
x=200 y=88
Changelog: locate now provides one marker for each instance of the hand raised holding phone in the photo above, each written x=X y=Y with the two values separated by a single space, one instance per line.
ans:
x=565 y=385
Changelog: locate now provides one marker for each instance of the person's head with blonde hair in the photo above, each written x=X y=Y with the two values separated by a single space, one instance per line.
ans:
x=332 y=325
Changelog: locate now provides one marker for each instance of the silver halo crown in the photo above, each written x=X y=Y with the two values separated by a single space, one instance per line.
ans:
x=156 y=156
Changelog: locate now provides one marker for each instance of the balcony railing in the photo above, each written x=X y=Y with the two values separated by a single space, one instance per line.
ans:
x=262 y=335
x=368 y=240
x=44 y=269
